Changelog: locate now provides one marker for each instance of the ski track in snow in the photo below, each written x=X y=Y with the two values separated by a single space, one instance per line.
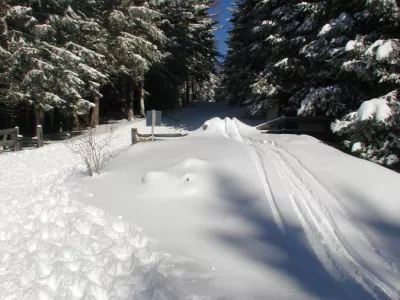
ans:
x=322 y=232
x=341 y=207
x=306 y=193
x=54 y=247
x=256 y=156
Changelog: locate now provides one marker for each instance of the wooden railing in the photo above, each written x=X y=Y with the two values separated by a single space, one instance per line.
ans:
x=10 y=138
x=136 y=137
x=291 y=122
x=318 y=127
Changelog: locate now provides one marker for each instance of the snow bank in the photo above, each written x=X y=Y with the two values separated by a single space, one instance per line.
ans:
x=54 y=247
x=196 y=196
x=229 y=128
x=249 y=221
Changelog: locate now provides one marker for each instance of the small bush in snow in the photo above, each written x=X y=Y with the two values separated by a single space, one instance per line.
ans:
x=374 y=130
x=94 y=150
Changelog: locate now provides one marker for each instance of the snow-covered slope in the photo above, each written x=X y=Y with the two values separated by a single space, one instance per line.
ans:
x=232 y=214
x=258 y=216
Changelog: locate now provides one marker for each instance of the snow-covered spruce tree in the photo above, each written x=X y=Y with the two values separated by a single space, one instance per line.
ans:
x=207 y=89
x=5 y=105
x=372 y=66
x=373 y=132
x=271 y=67
x=236 y=76
x=281 y=28
x=135 y=46
x=353 y=58
x=189 y=28
x=49 y=68
x=203 y=51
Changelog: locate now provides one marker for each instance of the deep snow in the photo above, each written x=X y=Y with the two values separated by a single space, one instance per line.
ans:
x=232 y=214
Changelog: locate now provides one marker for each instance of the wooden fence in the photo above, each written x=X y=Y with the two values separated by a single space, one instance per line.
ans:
x=318 y=127
x=136 y=137
x=10 y=138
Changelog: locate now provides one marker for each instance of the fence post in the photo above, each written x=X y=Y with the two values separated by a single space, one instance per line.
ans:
x=39 y=137
x=134 y=136
x=18 y=145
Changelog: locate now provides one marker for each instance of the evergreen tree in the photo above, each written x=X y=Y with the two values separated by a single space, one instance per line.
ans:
x=191 y=47
x=237 y=78
x=47 y=68
x=59 y=56
x=135 y=46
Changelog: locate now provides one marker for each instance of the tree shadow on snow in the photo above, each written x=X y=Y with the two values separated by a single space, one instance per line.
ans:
x=388 y=232
x=263 y=244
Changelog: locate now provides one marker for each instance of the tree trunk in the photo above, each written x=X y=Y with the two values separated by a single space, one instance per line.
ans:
x=141 y=100
x=12 y=117
x=75 y=122
x=187 y=95
x=193 y=89
x=95 y=111
x=130 y=97
x=52 y=120
x=36 y=119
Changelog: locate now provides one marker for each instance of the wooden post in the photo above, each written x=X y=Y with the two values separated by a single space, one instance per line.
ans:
x=153 y=122
x=130 y=97
x=39 y=130
x=18 y=145
x=14 y=139
x=134 y=136
x=94 y=122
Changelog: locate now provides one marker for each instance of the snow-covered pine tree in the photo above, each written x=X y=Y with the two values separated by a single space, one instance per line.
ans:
x=5 y=105
x=49 y=68
x=135 y=46
x=353 y=57
x=191 y=45
x=279 y=31
x=373 y=131
x=236 y=76
x=203 y=49
x=269 y=63
x=373 y=63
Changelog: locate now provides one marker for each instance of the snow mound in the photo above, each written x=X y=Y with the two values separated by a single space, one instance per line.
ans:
x=229 y=128
x=375 y=108
x=181 y=178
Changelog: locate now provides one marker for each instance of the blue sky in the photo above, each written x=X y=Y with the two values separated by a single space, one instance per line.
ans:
x=223 y=16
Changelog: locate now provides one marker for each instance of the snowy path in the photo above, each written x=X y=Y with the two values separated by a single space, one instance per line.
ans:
x=232 y=214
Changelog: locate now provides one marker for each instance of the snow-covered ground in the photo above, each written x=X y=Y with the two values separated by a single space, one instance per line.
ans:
x=224 y=213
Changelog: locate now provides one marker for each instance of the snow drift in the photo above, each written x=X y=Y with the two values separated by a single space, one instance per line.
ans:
x=229 y=128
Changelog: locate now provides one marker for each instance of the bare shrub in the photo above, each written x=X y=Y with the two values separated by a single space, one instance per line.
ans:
x=94 y=149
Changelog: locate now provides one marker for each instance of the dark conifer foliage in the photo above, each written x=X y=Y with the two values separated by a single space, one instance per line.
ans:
x=81 y=61
x=319 y=58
